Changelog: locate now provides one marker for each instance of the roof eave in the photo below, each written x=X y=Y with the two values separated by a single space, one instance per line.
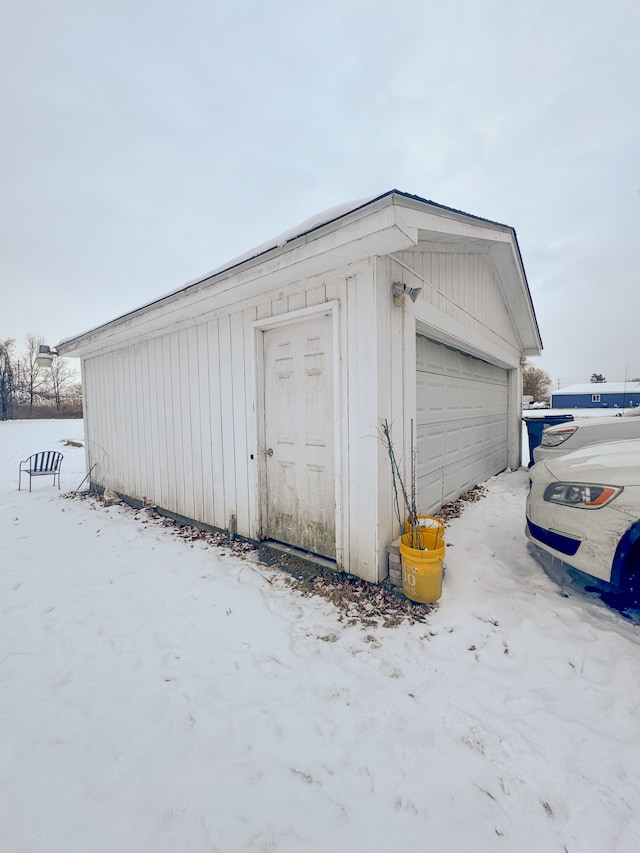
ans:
x=277 y=250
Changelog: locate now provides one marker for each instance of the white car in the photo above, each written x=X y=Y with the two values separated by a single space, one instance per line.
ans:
x=564 y=437
x=584 y=508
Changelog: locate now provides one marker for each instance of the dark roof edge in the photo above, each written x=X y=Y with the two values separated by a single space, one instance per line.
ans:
x=526 y=283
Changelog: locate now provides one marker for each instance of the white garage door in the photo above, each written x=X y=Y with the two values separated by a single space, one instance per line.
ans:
x=461 y=431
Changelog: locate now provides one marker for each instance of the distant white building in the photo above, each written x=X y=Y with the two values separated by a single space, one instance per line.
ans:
x=251 y=399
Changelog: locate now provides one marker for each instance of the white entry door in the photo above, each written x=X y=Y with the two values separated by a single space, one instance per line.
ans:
x=298 y=429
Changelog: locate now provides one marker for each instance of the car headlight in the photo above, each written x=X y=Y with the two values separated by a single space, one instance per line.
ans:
x=557 y=436
x=581 y=495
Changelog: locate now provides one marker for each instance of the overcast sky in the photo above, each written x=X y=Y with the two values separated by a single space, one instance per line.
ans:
x=144 y=144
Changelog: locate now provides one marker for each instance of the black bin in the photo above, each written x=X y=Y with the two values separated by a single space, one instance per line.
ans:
x=535 y=426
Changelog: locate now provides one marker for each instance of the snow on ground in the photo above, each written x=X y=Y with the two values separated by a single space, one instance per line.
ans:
x=160 y=696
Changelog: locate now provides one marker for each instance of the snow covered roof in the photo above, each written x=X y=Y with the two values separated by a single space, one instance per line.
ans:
x=311 y=228
x=315 y=222
x=305 y=227
x=600 y=388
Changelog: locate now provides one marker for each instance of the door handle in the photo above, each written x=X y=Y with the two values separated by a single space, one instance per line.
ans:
x=269 y=452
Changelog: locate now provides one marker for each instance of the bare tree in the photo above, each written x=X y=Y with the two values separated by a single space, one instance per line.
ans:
x=33 y=378
x=62 y=377
x=598 y=377
x=536 y=382
x=7 y=379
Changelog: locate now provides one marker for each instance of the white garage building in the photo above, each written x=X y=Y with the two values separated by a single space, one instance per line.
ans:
x=251 y=399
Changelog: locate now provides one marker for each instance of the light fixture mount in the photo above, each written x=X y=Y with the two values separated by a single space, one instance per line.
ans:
x=400 y=290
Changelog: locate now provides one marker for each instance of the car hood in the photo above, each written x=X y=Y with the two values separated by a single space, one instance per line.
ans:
x=616 y=462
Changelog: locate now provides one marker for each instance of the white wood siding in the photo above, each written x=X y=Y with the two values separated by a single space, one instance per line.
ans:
x=463 y=287
x=173 y=417
x=462 y=306
x=172 y=390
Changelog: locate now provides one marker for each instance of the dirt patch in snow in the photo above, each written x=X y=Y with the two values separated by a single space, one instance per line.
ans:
x=357 y=600
x=455 y=508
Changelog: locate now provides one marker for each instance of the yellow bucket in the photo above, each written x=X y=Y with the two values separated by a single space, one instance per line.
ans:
x=422 y=569
x=430 y=530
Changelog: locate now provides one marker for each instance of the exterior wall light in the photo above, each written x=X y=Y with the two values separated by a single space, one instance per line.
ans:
x=45 y=356
x=399 y=290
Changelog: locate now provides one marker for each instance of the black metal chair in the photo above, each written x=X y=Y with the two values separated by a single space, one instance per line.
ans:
x=45 y=463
